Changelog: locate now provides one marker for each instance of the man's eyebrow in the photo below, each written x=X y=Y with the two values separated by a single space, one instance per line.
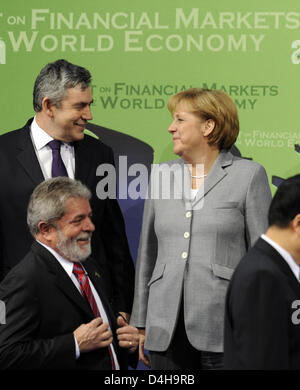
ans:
x=78 y=216
x=81 y=216
x=83 y=103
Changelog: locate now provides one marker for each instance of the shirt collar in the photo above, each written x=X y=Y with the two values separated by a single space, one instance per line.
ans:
x=39 y=136
x=286 y=255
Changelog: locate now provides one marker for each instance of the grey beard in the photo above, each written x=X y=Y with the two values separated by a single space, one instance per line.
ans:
x=70 y=249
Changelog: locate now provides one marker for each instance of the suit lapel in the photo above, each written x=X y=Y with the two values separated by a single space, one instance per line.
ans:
x=61 y=279
x=95 y=278
x=67 y=287
x=27 y=157
x=83 y=160
x=216 y=174
x=65 y=284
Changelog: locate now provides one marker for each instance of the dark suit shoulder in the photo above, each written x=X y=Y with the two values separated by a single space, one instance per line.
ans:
x=21 y=276
x=258 y=266
x=93 y=150
x=12 y=137
x=246 y=165
x=95 y=144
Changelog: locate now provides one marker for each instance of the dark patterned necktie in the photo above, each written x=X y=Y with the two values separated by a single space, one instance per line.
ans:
x=58 y=167
x=87 y=293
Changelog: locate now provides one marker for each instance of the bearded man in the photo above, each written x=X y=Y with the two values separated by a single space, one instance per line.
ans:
x=58 y=315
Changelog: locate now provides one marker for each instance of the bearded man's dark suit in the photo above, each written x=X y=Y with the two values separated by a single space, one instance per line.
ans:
x=43 y=308
x=20 y=173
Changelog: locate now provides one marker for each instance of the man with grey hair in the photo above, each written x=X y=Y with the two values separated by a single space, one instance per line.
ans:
x=53 y=144
x=57 y=312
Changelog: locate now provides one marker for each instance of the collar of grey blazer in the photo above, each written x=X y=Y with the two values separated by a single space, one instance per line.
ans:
x=215 y=175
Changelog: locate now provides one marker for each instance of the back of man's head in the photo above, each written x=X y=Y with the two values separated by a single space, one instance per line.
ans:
x=55 y=78
x=285 y=204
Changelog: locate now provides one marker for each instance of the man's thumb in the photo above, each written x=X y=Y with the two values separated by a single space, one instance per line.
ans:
x=121 y=322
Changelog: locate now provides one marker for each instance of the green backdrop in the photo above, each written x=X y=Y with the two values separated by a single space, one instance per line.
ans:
x=141 y=52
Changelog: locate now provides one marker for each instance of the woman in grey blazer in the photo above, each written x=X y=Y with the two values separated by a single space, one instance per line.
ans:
x=203 y=212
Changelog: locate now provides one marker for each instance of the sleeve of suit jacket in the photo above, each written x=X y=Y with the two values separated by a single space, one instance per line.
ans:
x=257 y=322
x=258 y=199
x=20 y=348
x=147 y=255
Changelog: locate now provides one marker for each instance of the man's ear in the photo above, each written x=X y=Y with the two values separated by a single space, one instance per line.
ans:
x=47 y=106
x=46 y=230
x=209 y=126
x=296 y=224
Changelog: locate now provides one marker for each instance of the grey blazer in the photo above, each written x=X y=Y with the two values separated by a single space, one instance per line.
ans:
x=190 y=250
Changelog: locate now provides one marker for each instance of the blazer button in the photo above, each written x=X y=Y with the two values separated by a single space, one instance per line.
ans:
x=188 y=214
x=184 y=255
x=186 y=235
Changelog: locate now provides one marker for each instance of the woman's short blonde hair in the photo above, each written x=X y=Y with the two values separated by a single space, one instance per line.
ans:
x=215 y=105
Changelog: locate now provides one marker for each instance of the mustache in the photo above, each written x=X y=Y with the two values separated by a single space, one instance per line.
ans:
x=84 y=236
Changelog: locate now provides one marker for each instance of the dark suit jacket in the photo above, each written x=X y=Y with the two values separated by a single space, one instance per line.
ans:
x=20 y=173
x=43 y=308
x=262 y=329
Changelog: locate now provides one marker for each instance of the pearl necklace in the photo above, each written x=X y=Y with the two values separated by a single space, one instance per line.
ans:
x=198 y=177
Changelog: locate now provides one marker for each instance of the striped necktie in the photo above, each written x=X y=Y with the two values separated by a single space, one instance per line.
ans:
x=86 y=291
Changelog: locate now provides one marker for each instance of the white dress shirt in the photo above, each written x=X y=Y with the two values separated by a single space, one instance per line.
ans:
x=68 y=267
x=286 y=255
x=43 y=152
